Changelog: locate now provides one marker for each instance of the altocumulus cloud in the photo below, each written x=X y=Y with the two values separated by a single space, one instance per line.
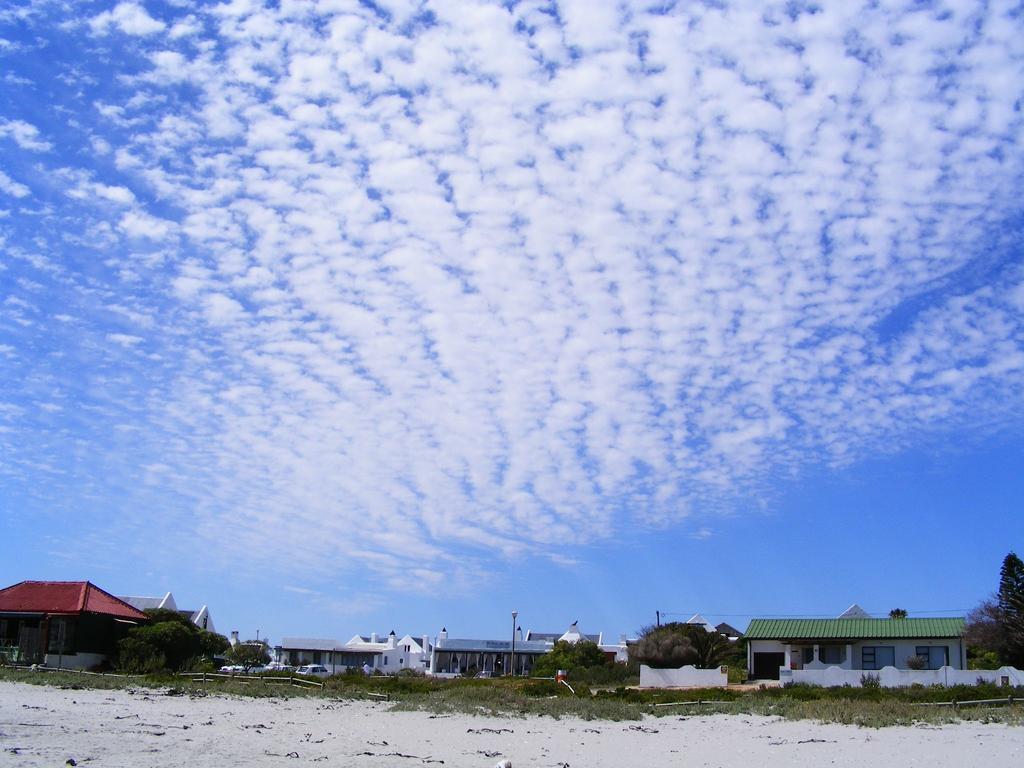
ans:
x=434 y=279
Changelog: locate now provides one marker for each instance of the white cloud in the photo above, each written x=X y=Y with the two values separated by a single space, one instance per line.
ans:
x=25 y=135
x=222 y=310
x=12 y=187
x=124 y=339
x=142 y=225
x=511 y=281
x=130 y=18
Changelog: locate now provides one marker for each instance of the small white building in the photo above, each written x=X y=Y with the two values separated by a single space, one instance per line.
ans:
x=801 y=650
x=392 y=655
x=389 y=655
x=457 y=656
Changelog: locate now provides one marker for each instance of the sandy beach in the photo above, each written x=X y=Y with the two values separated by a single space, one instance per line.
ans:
x=47 y=726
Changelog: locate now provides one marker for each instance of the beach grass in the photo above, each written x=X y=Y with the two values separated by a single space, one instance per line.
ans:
x=520 y=697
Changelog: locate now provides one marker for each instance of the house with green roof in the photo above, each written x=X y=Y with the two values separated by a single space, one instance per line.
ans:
x=801 y=650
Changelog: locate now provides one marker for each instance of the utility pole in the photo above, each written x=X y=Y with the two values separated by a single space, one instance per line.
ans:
x=657 y=617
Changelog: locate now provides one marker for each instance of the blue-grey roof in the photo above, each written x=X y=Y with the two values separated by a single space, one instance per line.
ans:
x=552 y=637
x=309 y=643
x=493 y=646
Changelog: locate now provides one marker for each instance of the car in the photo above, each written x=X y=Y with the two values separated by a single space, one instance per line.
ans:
x=314 y=670
x=277 y=666
x=232 y=669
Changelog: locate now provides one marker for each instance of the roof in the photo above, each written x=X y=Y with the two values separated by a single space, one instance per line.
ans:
x=552 y=637
x=145 y=603
x=308 y=643
x=65 y=597
x=728 y=629
x=499 y=646
x=853 y=629
x=854 y=612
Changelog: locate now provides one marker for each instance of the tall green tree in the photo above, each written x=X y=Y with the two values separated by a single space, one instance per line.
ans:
x=995 y=629
x=1010 y=599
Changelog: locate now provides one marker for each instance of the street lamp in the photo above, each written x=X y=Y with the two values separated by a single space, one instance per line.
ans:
x=512 y=666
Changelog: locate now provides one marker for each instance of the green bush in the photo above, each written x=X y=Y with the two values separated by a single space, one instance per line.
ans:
x=170 y=641
x=566 y=655
x=674 y=645
x=870 y=682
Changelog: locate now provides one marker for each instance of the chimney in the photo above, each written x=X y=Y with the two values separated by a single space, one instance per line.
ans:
x=443 y=634
x=391 y=639
x=374 y=638
x=425 y=642
x=234 y=637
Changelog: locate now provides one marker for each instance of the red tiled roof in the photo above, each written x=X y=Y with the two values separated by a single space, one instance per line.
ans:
x=64 y=597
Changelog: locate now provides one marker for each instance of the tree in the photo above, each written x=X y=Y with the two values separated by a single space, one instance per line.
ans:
x=1010 y=599
x=249 y=654
x=169 y=641
x=676 y=644
x=569 y=656
x=898 y=613
x=995 y=629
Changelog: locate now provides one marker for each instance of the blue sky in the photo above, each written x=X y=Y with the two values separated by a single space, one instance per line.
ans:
x=351 y=316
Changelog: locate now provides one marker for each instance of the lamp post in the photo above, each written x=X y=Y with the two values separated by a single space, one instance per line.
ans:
x=512 y=666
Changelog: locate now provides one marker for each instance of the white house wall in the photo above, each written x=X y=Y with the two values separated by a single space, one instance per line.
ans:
x=902 y=650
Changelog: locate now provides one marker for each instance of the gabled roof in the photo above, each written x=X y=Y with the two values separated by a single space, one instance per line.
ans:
x=65 y=597
x=854 y=629
x=854 y=612
x=728 y=630
x=146 y=603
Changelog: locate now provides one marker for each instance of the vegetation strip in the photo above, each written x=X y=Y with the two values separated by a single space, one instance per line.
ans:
x=522 y=697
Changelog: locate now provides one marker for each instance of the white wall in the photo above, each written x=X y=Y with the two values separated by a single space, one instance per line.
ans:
x=74 y=660
x=684 y=677
x=890 y=677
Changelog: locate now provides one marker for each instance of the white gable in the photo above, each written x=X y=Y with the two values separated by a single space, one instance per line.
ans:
x=698 y=619
x=854 y=612
x=572 y=634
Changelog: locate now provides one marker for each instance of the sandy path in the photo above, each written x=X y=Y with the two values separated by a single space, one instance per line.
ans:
x=46 y=726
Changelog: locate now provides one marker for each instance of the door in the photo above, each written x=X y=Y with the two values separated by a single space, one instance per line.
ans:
x=766 y=665
x=30 y=643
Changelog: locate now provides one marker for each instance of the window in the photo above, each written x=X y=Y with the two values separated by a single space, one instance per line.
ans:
x=832 y=654
x=877 y=656
x=808 y=655
x=934 y=656
x=61 y=636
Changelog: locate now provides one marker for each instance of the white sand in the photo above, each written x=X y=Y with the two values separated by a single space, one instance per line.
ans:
x=41 y=725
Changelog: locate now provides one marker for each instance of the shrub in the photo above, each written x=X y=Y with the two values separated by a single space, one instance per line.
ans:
x=569 y=656
x=915 y=662
x=674 y=645
x=249 y=654
x=870 y=682
x=170 y=641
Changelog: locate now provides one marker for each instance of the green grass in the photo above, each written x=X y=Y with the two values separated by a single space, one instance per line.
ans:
x=520 y=697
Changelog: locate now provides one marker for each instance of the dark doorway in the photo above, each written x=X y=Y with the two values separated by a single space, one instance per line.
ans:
x=766 y=665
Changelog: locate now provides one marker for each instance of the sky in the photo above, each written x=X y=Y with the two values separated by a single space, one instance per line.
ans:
x=363 y=315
